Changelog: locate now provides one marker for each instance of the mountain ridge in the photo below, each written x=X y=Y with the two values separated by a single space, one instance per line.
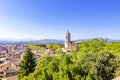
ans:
x=44 y=41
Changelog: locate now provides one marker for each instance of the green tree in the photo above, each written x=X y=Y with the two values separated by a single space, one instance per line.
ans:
x=59 y=51
x=49 y=46
x=95 y=60
x=100 y=66
x=27 y=65
x=92 y=46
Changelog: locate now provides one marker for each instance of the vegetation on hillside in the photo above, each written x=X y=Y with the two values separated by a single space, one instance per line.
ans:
x=44 y=46
x=95 y=60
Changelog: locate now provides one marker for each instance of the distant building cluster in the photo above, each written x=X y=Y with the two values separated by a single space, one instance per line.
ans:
x=10 y=56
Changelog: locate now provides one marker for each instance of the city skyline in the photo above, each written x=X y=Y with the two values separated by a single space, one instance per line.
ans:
x=50 y=19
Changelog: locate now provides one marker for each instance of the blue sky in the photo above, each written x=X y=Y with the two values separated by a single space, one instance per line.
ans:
x=50 y=19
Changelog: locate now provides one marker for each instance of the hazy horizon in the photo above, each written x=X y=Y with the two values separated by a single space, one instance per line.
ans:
x=50 y=19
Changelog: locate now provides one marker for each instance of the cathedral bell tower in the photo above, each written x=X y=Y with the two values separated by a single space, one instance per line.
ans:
x=67 y=40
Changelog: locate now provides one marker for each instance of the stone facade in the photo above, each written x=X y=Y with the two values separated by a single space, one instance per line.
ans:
x=70 y=45
x=68 y=40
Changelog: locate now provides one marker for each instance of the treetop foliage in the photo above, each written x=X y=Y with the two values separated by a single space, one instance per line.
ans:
x=27 y=64
x=95 y=60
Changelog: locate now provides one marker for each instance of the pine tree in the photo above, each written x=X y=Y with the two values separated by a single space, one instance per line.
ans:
x=27 y=64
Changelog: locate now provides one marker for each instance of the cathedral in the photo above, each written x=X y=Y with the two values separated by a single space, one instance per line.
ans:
x=68 y=43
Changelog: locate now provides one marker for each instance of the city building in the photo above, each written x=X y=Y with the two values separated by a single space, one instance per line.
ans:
x=70 y=45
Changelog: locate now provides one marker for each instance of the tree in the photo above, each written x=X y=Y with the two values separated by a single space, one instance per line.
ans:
x=95 y=60
x=100 y=66
x=92 y=46
x=27 y=65
x=59 y=51
x=49 y=46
